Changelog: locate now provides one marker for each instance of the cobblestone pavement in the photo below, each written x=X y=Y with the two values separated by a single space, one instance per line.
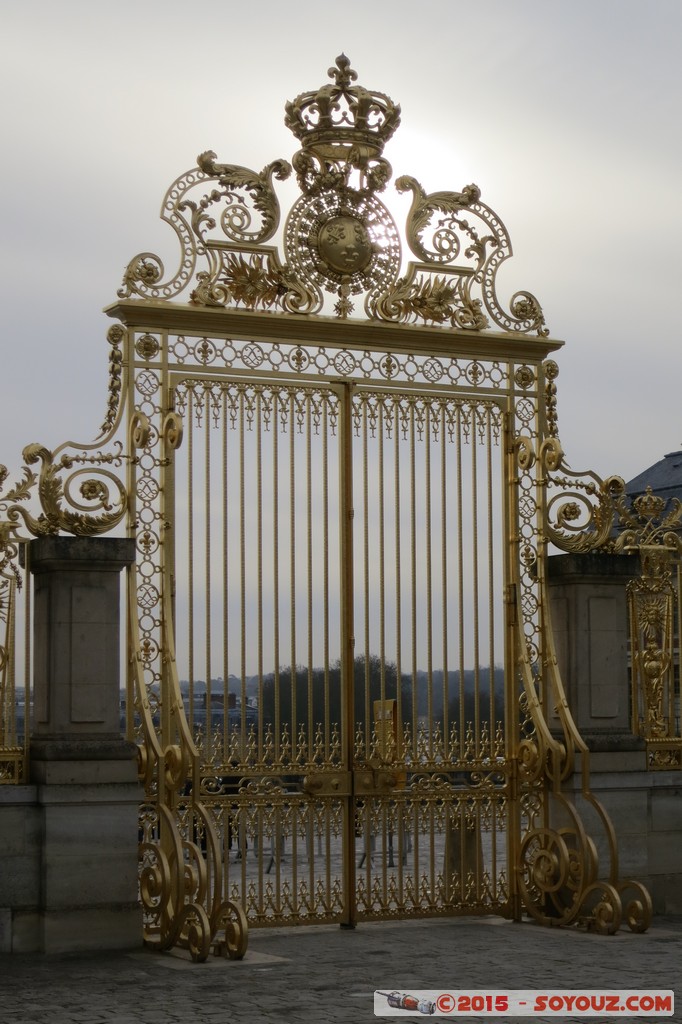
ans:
x=329 y=974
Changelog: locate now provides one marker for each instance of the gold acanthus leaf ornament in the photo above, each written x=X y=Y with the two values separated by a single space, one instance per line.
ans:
x=236 y=218
x=439 y=300
x=22 y=490
x=53 y=491
x=445 y=242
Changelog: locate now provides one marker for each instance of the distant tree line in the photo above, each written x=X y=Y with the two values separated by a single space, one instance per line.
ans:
x=324 y=691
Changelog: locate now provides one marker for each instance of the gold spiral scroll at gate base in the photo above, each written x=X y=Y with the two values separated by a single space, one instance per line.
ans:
x=557 y=880
x=194 y=928
x=545 y=855
x=639 y=910
x=602 y=910
x=154 y=878
x=231 y=918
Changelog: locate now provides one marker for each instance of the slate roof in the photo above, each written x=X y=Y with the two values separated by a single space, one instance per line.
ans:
x=664 y=478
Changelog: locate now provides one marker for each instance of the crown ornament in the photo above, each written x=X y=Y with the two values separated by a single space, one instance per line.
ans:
x=649 y=505
x=341 y=127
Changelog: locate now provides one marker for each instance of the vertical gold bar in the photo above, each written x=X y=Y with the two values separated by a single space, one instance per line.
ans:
x=512 y=652
x=242 y=570
x=385 y=832
x=349 y=914
x=460 y=582
x=398 y=582
x=433 y=881
x=294 y=859
x=475 y=580
x=493 y=847
x=325 y=556
x=259 y=562
x=277 y=398
x=402 y=846
x=444 y=576
x=382 y=558
x=491 y=571
x=365 y=535
x=309 y=571
x=675 y=719
x=190 y=557
x=167 y=482
x=225 y=569
x=207 y=544
x=292 y=563
x=429 y=573
x=413 y=583
x=328 y=828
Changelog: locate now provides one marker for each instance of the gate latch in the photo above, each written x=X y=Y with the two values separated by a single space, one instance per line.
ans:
x=371 y=780
x=366 y=780
x=336 y=783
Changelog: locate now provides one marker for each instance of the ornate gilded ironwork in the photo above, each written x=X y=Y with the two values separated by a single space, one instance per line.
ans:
x=12 y=744
x=586 y=513
x=340 y=657
x=651 y=528
x=561 y=877
x=339 y=237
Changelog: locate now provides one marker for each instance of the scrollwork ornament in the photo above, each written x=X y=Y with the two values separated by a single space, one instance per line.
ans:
x=172 y=431
x=545 y=858
x=551 y=454
x=236 y=220
x=527 y=313
x=52 y=490
x=446 y=245
x=525 y=452
x=601 y=908
x=175 y=767
x=530 y=760
x=140 y=430
x=193 y=930
x=639 y=909
x=582 y=513
x=230 y=920
x=154 y=878
x=144 y=272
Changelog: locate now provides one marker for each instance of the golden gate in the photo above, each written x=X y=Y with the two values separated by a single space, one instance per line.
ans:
x=341 y=667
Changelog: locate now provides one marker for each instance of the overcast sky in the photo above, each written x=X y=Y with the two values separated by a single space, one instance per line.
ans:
x=565 y=114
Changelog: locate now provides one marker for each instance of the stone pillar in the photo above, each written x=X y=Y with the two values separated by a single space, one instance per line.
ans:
x=590 y=623
x=84 y=771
